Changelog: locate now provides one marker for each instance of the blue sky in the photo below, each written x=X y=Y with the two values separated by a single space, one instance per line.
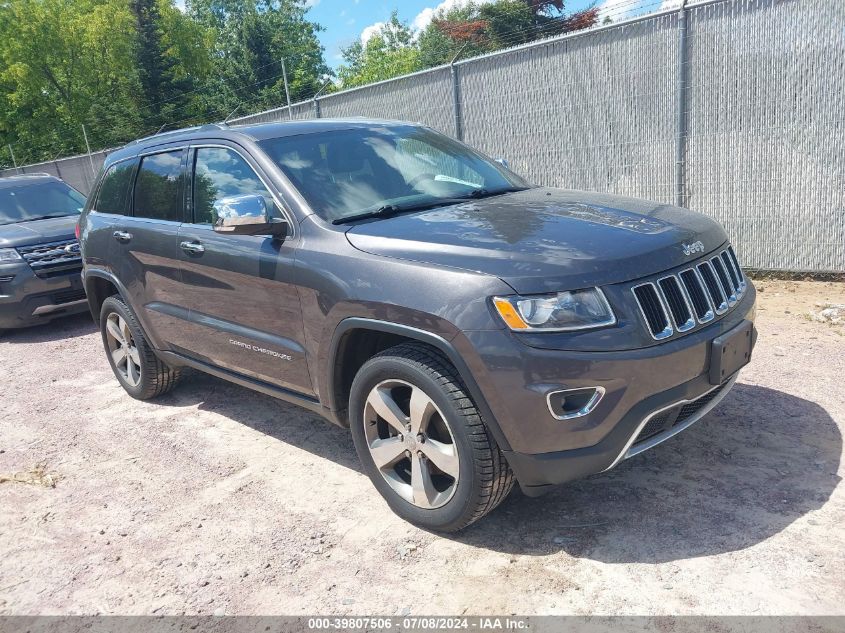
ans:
x=346 y=20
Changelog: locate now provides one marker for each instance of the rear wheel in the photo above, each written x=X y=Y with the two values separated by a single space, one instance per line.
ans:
x=140 y=372
x=422 y=441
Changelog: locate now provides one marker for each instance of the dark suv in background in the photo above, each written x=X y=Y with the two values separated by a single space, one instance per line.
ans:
x=471 y=329
x=39 y=253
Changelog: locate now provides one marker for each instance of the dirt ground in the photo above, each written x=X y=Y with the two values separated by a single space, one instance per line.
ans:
x=219 y=500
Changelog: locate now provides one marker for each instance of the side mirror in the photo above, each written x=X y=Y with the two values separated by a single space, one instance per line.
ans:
x=246 y=215
x=503 y=162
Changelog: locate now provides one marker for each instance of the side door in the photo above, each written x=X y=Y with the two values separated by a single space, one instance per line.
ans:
x=245 y=314
x=107 y=216
x=147 y=246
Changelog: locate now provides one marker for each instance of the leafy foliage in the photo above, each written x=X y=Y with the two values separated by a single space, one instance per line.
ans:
x=389 y=53
x=462 y=31
x=124 y=68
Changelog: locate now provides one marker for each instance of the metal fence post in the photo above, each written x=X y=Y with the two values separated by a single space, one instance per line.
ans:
x=456 y=101
x=681 y=131
x=88 y=147
x=287 y=90
x=14 y=162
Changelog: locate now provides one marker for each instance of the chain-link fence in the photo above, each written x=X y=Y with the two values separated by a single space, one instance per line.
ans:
x=733 y=108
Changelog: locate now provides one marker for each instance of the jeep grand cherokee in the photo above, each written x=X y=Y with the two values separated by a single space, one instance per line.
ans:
x=472 y=330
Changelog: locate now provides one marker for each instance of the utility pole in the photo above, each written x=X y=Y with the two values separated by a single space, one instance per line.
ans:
x=88 y=147
x=287 y=90
x=14 y=162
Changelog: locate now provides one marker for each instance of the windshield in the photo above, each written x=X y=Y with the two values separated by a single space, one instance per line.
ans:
x=349 y=173
x=36 y=200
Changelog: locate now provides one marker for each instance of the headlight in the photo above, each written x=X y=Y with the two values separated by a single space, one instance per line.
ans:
x=9 y=255
x=574 y=310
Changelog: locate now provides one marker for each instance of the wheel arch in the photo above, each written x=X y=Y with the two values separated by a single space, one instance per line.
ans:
x=344 y=361
x=99 y=285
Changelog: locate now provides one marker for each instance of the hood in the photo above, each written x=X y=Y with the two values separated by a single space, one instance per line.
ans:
x=37 y=231
x=546 y=240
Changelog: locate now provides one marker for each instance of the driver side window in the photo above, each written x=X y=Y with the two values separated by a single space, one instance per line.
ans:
x=221 y=176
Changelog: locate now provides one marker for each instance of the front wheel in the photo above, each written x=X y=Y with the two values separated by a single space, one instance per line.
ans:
x=422 y=441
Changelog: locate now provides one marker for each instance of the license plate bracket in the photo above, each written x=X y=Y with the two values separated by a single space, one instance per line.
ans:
x=730 y=352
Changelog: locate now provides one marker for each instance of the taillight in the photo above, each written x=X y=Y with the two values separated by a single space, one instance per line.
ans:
x=76 y=230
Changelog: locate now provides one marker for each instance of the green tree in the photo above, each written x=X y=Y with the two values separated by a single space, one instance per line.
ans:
x=163 y=89
x=250 y=39
x=474 y=28
x=389 y=53
x=64 y=63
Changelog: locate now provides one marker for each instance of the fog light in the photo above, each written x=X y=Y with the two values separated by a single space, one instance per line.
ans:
x=567 y=404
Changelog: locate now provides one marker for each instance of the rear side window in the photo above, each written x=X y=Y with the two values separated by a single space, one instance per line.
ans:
x=158 y=187
x=112 y=196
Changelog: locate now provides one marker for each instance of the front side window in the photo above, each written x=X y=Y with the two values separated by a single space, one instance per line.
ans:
x=222 y=178
x=24 y=201
x=345 y=173
x=112 y=196
x=158 y=187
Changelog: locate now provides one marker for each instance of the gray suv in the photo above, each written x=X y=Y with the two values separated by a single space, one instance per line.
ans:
x=471 y=330
x=39 y=253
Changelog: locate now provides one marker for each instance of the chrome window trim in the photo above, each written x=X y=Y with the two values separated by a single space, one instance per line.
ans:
x=629 y=450
x=585 y=410
x=690 y=323
x=667 y=331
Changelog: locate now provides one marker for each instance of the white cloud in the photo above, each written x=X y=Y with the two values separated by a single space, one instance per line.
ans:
x=310 y=4
x=425 y=16
x=369 y=31
x=422 y=19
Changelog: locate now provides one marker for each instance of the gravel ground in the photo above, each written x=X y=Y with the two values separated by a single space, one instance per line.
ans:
x=217 y=499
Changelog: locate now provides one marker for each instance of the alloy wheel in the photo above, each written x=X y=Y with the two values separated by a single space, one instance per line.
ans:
x=122 y=348
x=411 y=443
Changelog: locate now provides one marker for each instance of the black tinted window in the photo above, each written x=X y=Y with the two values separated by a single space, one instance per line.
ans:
x=221 y=175
x=158 y=186
x=112 y=196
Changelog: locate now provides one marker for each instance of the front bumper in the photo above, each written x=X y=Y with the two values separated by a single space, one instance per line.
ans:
x=26 y=299
x=542 y=450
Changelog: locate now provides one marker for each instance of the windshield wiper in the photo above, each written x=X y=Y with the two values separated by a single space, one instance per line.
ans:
x=481 y=192
x=393 y=209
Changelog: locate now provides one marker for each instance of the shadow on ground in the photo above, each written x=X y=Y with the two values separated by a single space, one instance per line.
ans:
x=56 y=330
x=758 y=462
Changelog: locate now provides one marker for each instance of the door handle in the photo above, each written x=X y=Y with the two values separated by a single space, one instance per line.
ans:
x=122 y=236
x=192 y=247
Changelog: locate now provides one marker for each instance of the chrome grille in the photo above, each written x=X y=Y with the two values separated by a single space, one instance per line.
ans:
x=52 y=258
x=680 y=301
x=653 y=310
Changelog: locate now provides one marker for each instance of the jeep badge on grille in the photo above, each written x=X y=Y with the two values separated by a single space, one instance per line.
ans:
x=695 y=247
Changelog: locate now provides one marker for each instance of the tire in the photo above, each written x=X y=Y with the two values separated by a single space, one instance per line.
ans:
x=141 y=373
x=414 y=375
